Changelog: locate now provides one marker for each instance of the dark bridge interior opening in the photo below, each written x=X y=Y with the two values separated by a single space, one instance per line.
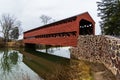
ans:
x=85 y=27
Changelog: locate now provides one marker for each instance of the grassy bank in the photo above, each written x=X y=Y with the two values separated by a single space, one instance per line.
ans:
x=14 y=44
x=11 y=44
x=2 y=44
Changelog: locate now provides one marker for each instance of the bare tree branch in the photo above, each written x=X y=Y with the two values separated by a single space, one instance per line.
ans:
x=45 y=19
x=8 y=23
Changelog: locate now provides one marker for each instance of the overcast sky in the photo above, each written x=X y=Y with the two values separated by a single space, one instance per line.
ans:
x=29 y=11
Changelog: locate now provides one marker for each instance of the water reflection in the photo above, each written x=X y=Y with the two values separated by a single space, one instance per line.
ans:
x=8 y=60
x=48 y=66
x=52 y=67
x=12 y=67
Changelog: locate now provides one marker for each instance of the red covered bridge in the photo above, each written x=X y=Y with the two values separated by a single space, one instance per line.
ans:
x=63 y=33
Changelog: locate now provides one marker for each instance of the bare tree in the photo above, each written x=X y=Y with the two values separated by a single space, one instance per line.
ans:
x=45 y=19
x=8 y=23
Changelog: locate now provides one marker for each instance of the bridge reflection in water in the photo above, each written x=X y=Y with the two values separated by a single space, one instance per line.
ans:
x=24 y=65
x=52 y=67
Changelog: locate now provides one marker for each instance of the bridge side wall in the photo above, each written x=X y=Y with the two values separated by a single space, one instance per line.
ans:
x=62 y=41
x=103 y=49
x=64 y=27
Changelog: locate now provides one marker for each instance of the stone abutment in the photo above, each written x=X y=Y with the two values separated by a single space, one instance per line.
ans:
x=99 y=48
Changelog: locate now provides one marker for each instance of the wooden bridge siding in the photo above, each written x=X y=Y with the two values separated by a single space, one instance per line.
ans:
x=66 y=41
x=63 y=41
x=66 y=27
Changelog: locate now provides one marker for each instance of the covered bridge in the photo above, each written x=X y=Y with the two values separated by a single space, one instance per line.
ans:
x=63 y=33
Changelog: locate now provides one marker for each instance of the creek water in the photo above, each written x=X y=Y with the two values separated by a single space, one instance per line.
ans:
x=12 y=66
x=33 y=65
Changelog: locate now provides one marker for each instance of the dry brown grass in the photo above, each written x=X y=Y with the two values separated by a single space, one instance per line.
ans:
x=2 y=44
x=14 y=44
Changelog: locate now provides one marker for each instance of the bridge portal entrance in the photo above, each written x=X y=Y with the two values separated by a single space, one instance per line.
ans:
x=85 y=27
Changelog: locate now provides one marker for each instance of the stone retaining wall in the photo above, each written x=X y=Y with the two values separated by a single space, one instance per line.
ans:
x=102 y=49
